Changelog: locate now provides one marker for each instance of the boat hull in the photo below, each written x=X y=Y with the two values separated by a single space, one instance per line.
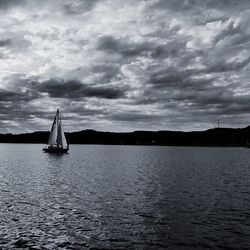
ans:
x=54 y=150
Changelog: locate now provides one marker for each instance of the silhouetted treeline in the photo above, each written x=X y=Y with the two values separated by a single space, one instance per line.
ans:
x=211 y=137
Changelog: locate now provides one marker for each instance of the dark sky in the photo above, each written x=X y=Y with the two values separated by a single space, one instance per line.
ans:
x=116 y=65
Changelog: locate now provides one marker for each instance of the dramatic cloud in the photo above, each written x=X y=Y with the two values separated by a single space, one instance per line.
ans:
x=5 y=42
x=75 y=89
x=4 y=4
x=124 y=65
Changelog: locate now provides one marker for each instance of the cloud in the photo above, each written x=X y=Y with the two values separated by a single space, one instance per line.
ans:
x=194 y=5
x=79 y=7
x=233 y=64
x=129 y=48
x=5 y=42
x=7 y=96
x=4 y=4
x=75 y=89
x=124 y=65
x=135 y=117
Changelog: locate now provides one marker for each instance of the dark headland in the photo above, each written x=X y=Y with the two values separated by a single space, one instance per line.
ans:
x=228 y=137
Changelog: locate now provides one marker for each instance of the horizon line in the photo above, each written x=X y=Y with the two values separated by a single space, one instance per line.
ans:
x=45 y=131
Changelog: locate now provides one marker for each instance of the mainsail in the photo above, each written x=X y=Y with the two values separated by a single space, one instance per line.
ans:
x=54 y=130
x=57 y=136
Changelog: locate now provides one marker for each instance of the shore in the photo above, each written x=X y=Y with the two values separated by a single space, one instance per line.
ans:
x=225 y=137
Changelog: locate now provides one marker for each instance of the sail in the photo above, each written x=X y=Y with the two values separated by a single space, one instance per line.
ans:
x=57 y=141
x=54 y=130
x=61 y=140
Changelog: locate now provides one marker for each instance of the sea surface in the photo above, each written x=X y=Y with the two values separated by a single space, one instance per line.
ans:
x=124 y=197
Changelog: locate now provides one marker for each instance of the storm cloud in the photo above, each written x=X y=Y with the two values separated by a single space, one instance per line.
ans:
x=124 y=65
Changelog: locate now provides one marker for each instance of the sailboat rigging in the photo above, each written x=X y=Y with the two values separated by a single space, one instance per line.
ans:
x=57 y=142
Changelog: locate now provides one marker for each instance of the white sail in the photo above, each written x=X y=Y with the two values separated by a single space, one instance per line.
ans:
x=57 y=141
x=61 y=140
x=54 y=130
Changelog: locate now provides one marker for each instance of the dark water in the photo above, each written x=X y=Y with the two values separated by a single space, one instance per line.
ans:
x=124 y=197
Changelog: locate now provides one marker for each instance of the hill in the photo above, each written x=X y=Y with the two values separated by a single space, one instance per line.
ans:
x=212 y=137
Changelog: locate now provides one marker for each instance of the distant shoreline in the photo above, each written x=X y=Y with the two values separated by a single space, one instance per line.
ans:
x=217 y=137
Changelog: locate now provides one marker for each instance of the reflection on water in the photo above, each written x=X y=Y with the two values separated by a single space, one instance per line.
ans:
x=124 y=197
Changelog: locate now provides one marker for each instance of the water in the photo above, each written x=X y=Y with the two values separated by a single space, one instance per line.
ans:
x=124 y=197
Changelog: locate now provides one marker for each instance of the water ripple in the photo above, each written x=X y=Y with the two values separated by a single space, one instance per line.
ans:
x=124 y=197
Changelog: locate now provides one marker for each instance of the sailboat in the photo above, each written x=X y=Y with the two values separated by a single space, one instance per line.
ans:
x=57 y=142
